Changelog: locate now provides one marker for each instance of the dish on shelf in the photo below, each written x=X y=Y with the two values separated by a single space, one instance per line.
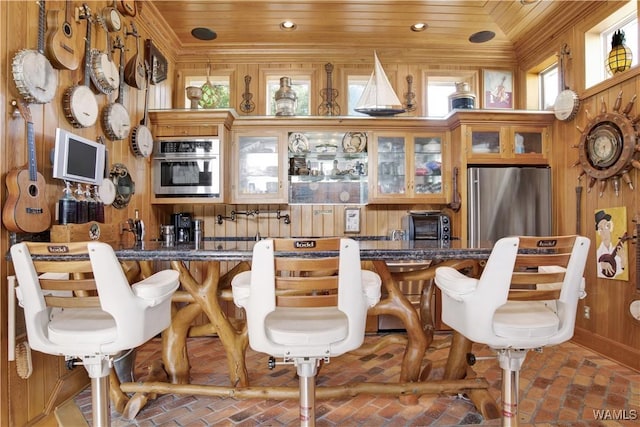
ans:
x=298 y=142
x=354 y=142
x=432 y=146
x=481 y=149
x=326 y=148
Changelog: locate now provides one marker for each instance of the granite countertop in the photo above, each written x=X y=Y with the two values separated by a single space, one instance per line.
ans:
x=238 y=250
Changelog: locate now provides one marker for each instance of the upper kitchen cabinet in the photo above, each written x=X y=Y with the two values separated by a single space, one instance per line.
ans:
x=259 y=174
x=408 y=167
x=508 y=137
x=328 y=167
x=190 y=157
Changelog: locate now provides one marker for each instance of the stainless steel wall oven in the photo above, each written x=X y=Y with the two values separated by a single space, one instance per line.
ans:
x=186 y=167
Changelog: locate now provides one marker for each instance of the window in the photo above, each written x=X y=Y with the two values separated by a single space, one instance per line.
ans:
x=598 y=42
x=300 y=84
x=630 y=28
x=355 y=86
x=440 y=87
x=549 y=82
x=221 y=89
x=438 y=98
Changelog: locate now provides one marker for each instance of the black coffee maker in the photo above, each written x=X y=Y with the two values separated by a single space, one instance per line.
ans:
x=183 y=226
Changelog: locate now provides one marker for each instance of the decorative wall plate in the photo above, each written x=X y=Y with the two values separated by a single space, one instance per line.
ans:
x=354 y=142
x=298 y=142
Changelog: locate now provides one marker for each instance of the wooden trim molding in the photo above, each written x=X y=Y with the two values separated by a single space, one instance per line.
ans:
x=625 y=355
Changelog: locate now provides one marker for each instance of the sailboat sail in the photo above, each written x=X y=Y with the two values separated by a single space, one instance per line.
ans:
x=378 y=97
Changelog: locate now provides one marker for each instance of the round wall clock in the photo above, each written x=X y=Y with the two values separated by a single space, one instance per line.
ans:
x=607 y=146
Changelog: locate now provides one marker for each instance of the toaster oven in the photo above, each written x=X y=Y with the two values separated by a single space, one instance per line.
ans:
x=427 y=225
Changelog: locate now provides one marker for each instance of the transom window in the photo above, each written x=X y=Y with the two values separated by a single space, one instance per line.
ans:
x=355 y=87
x=598 y=42
x=438 y=89
x=300 y=84
x=549 y=81
x=221 y=91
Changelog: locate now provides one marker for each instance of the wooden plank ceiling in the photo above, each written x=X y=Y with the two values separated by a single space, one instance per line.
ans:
x=353 y=29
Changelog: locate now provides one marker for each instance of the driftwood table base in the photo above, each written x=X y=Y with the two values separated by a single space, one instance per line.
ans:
x=204 y=297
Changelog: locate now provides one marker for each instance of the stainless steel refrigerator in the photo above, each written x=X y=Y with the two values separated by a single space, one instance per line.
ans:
x=508 y=201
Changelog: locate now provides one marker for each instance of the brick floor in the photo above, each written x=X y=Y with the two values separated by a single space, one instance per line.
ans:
x=565 y=385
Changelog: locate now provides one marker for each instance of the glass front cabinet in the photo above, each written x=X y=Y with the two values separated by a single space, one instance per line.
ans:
x=407 y=167
x=518 y=144
x=258 y=174
x=328 y=167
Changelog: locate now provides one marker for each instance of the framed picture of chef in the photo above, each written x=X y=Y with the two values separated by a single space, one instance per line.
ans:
x=611 y=243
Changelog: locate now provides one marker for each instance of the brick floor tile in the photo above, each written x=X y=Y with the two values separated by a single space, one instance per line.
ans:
x=560 y=387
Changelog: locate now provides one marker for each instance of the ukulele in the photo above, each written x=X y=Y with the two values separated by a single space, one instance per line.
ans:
x=247 y=105
x=62 y=48
x=410 y=96
x=611 y=258
x=26 y=209
x=329 y=106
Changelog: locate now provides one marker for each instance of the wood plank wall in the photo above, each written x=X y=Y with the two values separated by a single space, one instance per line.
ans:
x=611 y=330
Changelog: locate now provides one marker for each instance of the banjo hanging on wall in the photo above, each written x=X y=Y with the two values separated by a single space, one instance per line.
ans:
x=33 y=74
x=567 y=102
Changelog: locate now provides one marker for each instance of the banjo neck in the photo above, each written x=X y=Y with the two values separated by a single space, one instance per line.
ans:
x=120 y=45
x=86 y=14
x=41 y=27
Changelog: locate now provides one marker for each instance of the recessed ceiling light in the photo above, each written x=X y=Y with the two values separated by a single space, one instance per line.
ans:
x=202 y=33
x=481 y=36
x=288 y=25
x=419 y=26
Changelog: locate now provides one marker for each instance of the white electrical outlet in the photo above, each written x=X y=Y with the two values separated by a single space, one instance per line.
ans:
x=587 y=312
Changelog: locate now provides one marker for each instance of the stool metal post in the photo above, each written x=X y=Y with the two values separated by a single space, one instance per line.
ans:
x=307 y=370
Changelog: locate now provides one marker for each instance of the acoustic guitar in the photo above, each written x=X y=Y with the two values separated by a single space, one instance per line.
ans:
x=63 y=47
x=26 y=209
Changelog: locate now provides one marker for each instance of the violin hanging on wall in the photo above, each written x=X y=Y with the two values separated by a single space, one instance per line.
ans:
x=329 y=106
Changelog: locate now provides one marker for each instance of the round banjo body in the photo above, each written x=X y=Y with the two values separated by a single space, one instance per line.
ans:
x=567 y=105
x=80 y=106
x=34 y=76
x=141 y=141
x=116 y=121
x=104 y=73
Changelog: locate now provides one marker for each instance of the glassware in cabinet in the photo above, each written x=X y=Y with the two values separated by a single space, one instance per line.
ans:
x=328 y=167
x=408 y=168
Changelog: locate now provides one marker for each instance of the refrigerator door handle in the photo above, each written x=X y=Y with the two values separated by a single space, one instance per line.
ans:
x=473 y=207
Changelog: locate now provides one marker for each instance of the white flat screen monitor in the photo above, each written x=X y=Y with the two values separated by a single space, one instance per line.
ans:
x=78 y=159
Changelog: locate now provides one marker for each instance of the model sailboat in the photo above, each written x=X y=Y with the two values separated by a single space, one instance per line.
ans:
x=378 y=97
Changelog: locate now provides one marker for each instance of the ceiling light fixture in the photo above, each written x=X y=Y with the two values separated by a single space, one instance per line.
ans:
x=288 y=25
x=481 y=36
x=418 y=26
x=202 y=33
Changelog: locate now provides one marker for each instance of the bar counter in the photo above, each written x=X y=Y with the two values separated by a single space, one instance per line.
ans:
x=241 y=250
